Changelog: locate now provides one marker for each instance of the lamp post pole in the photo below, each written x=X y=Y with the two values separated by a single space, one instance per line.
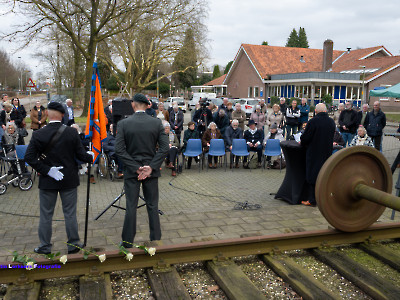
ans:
x=157 y=85
x=363 y=101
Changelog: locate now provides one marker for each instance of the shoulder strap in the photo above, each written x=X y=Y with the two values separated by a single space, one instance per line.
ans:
x=53 y=141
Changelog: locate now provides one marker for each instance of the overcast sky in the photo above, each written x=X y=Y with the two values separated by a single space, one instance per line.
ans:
x=349 y=23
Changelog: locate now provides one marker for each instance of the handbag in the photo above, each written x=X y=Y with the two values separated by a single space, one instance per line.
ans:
x=22 y=132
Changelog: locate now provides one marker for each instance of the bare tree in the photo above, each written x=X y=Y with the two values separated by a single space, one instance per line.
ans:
x=100 y=20
x=139 y=51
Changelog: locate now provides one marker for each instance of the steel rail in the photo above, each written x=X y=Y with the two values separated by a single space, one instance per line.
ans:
x=199 y=251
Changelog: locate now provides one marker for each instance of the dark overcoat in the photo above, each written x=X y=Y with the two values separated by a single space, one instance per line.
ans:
x=318 y=140
x=136 y=144
x=64 y=153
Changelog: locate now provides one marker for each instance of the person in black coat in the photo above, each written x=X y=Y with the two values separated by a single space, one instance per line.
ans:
x=362 y=115
x=318 y=140
x=231 y=133
x=348 y=123
x=202 y=117
x=58 y=175
x=375 y=121
x=176 y=121
x=19 y=107
x=254 y=138
x=222 y=120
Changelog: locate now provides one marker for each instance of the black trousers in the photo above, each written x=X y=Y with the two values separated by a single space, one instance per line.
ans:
x=150 y=192
x=171 y=156
x=377 y=142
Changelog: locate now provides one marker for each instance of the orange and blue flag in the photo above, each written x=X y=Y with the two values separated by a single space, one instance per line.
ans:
x=96 y=120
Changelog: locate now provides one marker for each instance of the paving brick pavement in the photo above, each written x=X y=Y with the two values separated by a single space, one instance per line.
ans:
x=195 y=206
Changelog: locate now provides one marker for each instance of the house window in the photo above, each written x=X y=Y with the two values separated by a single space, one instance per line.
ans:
x=348 y=92
x=256 y=91
x=250 y=93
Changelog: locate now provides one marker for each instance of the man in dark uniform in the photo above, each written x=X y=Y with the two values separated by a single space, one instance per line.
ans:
x=58 y=175
x=136 y=142
x=318 y=140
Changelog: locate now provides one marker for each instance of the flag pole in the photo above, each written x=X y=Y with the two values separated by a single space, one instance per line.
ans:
x=91 y=106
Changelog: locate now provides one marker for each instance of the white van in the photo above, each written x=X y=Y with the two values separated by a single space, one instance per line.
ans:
x=197 y=96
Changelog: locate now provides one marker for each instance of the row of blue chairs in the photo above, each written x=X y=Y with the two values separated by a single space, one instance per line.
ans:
x=239 y=148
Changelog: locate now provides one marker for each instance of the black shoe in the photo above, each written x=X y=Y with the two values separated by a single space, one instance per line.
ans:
x=76 y=250
x=39 y=250
x=125 y=245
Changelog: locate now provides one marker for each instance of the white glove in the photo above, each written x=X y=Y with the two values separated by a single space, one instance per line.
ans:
x=91 y=153
x=55 y=173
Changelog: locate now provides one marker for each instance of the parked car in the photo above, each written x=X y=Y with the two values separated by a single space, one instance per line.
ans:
x=216 y=101
x=58 y=98
x=181 y=104
x=169 y=100
x=248 y=105
x=196 y=97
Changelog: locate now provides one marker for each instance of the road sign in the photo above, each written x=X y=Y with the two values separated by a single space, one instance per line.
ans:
x=30 y=83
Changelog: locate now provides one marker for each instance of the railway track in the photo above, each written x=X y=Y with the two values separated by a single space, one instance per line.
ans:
x=323 y=264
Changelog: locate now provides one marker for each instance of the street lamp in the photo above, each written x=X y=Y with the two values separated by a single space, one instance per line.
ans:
x=20 y=81
x=157 y=85
x=363 y=101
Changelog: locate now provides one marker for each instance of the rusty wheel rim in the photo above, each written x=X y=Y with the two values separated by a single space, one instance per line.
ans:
x=335 y=183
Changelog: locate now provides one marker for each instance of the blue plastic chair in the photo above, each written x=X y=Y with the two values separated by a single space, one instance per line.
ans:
x=21 y=149
x=273 y=148
x=193 y=149
x=217 y=148
x=239 y=148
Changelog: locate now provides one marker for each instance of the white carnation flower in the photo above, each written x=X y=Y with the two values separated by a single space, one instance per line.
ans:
x=102 y=257
x=30 y=265
x=63 y=259
x=151 y=251
x=129 y=256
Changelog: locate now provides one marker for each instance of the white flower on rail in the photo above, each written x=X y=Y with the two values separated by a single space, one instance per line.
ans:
x=102 y=257
x=129 y=256
x=151 y=251
x=63 y=259
x=30 y=265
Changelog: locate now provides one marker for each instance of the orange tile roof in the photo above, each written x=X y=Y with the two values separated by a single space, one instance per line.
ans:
x=271 y=60
x=216 y=81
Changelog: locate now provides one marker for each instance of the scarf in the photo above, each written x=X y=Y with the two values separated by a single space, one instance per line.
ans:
x=361 y=140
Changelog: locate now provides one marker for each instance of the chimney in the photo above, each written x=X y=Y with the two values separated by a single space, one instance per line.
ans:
x=348 y=49
x=302 y=59
x=327 y=56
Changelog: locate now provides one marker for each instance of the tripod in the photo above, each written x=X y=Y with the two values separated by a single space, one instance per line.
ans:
x=112 y=204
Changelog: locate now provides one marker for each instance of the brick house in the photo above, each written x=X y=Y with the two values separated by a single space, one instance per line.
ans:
x=260 y=71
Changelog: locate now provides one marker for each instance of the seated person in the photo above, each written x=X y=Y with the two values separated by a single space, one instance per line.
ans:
x=254 y=138
x=231 y=133
x=273 y=133
x=337 y=140
x=9 y=140
x=190 y=133
x=211 y=133
x=361 y=138
x=170 y=160
x=109 y=148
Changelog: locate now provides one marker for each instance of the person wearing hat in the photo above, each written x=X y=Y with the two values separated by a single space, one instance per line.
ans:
x=254 y=138
x=56 y=163
x=273 y=133
x=136 y=146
